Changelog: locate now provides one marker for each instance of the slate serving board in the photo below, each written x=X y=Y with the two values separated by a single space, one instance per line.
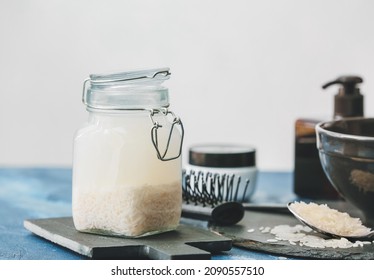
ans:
x=186 y=242
x=258 y=241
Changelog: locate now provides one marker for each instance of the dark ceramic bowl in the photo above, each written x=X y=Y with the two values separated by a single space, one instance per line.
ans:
x=346 y=149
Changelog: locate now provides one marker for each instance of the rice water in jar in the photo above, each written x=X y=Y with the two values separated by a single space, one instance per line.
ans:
x=127 y=157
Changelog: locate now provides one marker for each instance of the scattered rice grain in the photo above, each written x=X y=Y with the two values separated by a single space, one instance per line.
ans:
x=266 y=229
x=272 y=240
x=300 y=235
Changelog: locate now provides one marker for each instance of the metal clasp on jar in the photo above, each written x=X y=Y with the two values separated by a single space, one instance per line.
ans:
x=154 y=133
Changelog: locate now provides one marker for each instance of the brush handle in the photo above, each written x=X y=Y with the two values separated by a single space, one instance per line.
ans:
x=267 y=207
x=227 y=213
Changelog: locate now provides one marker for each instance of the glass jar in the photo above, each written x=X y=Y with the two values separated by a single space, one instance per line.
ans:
x=127 y=158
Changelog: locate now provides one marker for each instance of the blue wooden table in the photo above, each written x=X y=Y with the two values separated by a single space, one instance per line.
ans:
x=32 y=193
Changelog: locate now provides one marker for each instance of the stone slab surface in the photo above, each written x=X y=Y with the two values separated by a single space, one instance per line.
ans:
x=186 y=242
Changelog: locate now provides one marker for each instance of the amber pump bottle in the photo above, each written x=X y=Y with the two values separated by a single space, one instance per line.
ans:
x=310 y=180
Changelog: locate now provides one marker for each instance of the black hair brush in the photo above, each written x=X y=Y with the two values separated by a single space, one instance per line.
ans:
x=212 y=197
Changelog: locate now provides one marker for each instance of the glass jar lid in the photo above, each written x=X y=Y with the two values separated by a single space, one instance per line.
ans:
x=134 y=90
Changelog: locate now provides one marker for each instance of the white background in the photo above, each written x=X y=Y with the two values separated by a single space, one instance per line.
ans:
x=242 y=71
x=273 y=269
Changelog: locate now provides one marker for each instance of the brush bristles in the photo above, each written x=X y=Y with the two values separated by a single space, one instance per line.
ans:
x=208 y=189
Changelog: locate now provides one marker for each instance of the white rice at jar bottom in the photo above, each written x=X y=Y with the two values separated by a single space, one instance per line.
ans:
x=128 y=211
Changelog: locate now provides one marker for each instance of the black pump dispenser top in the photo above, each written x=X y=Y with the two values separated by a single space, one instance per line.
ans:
x=349 y=102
